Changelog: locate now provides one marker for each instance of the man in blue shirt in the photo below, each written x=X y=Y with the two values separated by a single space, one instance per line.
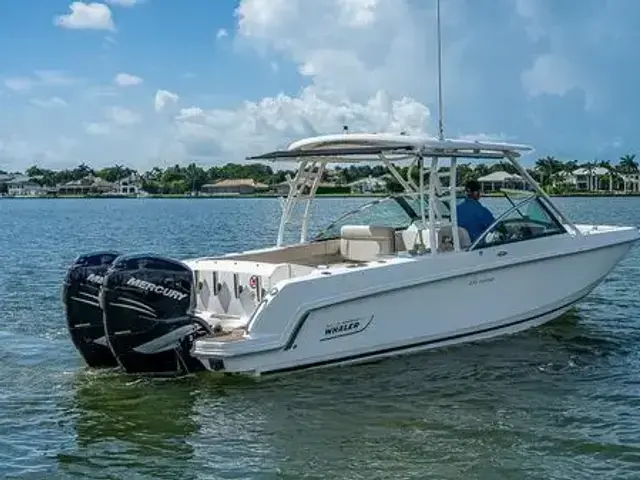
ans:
x=472 y=215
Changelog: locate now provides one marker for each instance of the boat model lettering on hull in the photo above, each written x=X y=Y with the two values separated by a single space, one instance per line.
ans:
x=346 y=328
x=152 y=287
x=481 y=280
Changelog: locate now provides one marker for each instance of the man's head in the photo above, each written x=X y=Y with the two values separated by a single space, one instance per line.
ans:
x=472 y=188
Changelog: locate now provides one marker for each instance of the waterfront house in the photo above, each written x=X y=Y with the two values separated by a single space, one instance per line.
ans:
x=282 y=188
x=368 y=185
x=75 y=187
x=87 y=185
x=591 y=179
x=24 y=186
x=630 y=182
x=4 y=179
x=498 y=180
x=234 y=186
x=130 y=185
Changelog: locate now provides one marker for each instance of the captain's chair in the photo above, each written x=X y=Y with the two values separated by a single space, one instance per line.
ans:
x=363 y=243
x=445 y=238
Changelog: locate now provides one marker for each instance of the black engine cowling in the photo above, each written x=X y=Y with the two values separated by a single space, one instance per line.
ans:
x=80 y=295
x=146 y=301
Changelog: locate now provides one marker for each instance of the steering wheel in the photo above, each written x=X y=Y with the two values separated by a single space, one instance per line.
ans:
x=513 y=228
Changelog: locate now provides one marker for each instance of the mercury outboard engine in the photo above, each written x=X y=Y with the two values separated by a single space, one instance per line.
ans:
x=80 y=294
x=146 y=301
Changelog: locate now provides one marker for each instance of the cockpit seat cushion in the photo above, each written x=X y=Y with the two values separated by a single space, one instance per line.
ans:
x=445 y=238
x=414 y=237
x=362 y=243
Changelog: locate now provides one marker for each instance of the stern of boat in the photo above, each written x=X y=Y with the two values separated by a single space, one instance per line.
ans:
x=228 y=291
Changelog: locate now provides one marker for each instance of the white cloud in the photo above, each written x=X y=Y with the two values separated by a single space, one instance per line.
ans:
x=127 y=80
x=352 y=61
x=163 y=97
x=53 y=154
x=124 y=3
x=55 y=78
x=222 y=33
x=549 y=74
x=12 y=148
x=530 y=10
x=191 y=112
x=53 y=102
x=98 y=128
x=354 y=46
x=19 y=84
x=553 y=74
x=358 y=13
x=86 y=16
x=370 y=64
x=123 y=116
x=364 y=72
x=275 y=121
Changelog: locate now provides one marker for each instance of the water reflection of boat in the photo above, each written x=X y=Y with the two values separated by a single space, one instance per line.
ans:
x=142 y=425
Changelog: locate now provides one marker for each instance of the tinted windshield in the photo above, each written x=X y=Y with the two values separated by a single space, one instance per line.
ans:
x=397 y=212
x=413 y=201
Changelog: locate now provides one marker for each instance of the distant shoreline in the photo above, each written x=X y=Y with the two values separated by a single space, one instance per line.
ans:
x=260 y=195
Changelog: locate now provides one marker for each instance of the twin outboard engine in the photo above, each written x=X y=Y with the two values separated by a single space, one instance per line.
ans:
x=146 y=300
x=80 y=295
x=144 y=303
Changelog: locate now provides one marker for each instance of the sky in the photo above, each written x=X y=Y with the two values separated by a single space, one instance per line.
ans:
x=149 y=83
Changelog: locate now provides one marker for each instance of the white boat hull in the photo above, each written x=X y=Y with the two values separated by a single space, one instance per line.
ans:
x=434 y=311
x=393 y=277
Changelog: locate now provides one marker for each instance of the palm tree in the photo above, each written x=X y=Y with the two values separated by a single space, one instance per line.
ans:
x=589 y=167
x=628 y=164
x=547 y=168
x=607 y=165
x=503 y=166
x=481 y=170
x=628 y=167
x=464 y=173
x=82 y=171
x=570 y=166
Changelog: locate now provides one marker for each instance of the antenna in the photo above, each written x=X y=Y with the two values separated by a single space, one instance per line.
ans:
x=440 y=123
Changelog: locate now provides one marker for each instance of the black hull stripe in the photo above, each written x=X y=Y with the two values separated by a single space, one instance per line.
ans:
x=458 y=336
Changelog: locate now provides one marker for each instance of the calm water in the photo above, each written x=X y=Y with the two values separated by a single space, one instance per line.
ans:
x=558 y=402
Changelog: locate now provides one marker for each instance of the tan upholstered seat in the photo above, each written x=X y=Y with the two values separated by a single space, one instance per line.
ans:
x=362 y=243
x=414 y=238
x=445 y=238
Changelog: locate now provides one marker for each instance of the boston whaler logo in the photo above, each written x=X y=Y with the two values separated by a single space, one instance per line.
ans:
x=152 y=287
x=346 y=327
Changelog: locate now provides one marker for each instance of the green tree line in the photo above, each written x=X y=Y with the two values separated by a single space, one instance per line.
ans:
x=179 y=179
